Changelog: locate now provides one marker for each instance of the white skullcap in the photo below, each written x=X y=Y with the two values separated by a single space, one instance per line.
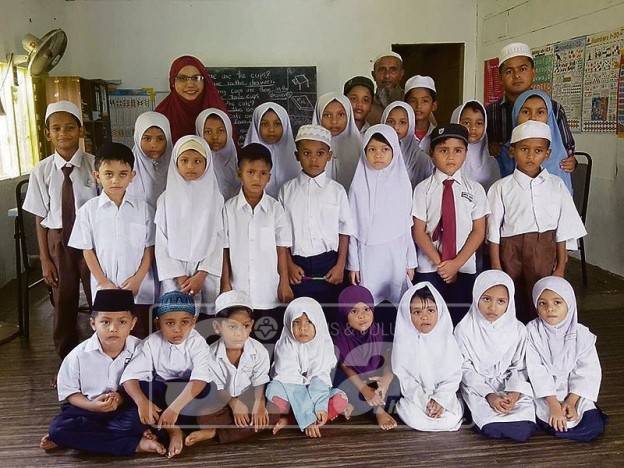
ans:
x=419 y=81
x=515 y=49
x=314 y=132
x=388 y=54
x=530 y=129
x=63 y=106
x=195 y=145
x=232 y=299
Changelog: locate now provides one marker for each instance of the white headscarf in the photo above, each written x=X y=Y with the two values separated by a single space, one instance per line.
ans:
x=285 y=164
x=381 y=200
x=192 y=209
x=225 y=160
x=296 y=362
x=557 y=345
x=486 y=343
x=151 y=176
x=479 y=165
x=346 y=146
x=427 y=357
x=417 y=162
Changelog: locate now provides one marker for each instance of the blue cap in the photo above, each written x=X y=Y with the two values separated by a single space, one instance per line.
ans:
x=175 y=301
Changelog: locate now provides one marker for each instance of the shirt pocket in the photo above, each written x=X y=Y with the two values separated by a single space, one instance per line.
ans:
x=329 y=219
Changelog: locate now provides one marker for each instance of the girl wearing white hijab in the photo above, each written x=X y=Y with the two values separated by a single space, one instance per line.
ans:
x=225 y=158
x=417 y=161
x=494 y=383
x=479 y=165
x=304 y=361
x=427 y=361
x=285 y=165
x=382 y=254
x=189 y=225
x=151 y=170
x=346 y=138
x=563 y=364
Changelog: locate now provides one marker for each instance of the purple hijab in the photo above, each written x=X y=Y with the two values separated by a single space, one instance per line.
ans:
x=361 y=351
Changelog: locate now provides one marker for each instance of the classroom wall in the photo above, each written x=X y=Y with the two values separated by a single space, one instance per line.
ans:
x=538 y=23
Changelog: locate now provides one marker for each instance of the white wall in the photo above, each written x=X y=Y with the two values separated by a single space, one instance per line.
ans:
x=538 y=23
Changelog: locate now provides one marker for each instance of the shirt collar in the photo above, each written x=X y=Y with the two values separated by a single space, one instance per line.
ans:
x=242 y=201
x=75 y=160
x=248 y=350
x=104 y=199
x=525 y=181
x=440 y=177
x=320 y=180
x=93 y=344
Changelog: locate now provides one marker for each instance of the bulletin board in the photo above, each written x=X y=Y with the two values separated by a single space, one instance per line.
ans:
x=125 y=106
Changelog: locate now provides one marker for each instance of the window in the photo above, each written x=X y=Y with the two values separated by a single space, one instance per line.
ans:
x=18 y=141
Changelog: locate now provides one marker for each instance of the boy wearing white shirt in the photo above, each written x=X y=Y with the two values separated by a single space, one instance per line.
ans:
x=58 y=186
x=533 y=220
x=320 y=219
x=96 y=417
x=172 y=367
x=257 y=238
x=242 y=370
x=449 y=221
x=115 y=231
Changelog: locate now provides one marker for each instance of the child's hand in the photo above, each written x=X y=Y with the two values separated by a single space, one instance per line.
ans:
x=313 y=431
x=448 y=270
x=335 y=275
x=48 y=271
x=284 y=292
x=117 y=399
x=180 y=280
x=194 y=284
x=410 y=274
x=511 y=400
x=494 y=149
x=434 y=409
x=569 y=408
x=354 y=277
x=105 y=403
x=557 y=418
x=240 y=412
x=168 y=418
x=295 y=273
x=148 y=412
x=133 y=284
x=321 y=417
x=383 y=383
x=497 y=403
x=372 y=397
x=568 y=164
x=108 y=284
x=259 y=416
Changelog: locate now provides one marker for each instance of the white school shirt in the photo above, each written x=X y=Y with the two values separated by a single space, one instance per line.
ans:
x=253 y=235
x=157 y=359
x=253 y=367
x=45 y=184
x=318 y=211
x=521 y=204
x=88 y=370
x=119 y=236
x=470 y=204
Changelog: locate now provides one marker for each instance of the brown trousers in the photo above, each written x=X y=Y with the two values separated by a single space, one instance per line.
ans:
x=527 y=258
x=72 y=270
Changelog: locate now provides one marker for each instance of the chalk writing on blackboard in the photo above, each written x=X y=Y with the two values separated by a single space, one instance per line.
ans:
x=245 y=88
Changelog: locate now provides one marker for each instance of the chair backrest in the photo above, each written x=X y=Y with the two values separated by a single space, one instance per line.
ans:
x=581 y=178
x=28 y=230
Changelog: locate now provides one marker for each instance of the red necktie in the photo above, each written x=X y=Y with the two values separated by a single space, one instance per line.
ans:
x=68 y=207
x=446 y=228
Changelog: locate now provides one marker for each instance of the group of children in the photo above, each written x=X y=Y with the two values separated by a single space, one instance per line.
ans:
x=344 y=214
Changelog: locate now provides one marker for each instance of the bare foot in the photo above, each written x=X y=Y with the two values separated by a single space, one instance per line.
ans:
x=148 y=434
x=176 y=441
x=280 y=424
x=46 y=443
x=199 y=436
x=150 y=446
x=384 y=420
x=348 y=411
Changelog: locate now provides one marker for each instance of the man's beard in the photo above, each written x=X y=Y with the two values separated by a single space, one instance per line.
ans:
x=386 y=96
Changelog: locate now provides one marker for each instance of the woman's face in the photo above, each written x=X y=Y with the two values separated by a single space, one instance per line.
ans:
x=189 y=83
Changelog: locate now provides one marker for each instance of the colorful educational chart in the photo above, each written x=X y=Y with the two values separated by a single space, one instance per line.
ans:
x=492 y=84
x=544 y=58
x=620 y=124
x=125 y=106
x=567 y=81
x=600 y=81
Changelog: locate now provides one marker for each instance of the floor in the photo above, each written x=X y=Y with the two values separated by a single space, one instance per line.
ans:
x=27 y=403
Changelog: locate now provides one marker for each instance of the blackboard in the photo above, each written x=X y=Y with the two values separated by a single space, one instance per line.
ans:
x=245 y=88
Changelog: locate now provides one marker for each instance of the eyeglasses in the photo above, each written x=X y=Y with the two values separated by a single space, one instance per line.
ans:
x=184 y=78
